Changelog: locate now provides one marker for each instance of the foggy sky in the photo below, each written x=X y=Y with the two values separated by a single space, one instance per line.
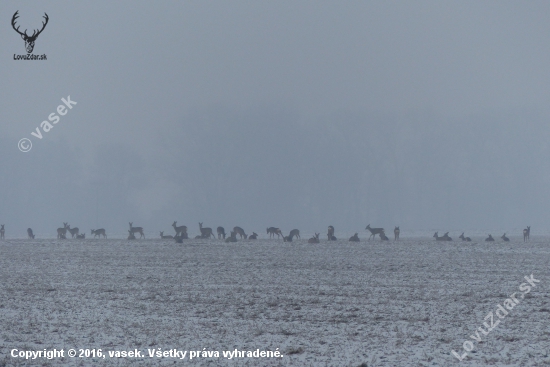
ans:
x=293 y=114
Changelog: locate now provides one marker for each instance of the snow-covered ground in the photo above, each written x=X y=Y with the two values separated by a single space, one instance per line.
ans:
x=332 y=304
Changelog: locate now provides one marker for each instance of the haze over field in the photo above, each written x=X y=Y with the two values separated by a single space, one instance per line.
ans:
x=293 y=114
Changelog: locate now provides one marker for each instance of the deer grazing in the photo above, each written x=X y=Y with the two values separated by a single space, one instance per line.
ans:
x=396 y=234
x=526 y=233
x=131 y=235
x=179 y=230
x=221 y=232
x=62 y=232
x=81 y=236
x=99 y=232
x=445 y=237
x=232 y=237
x=489 y=239
x=330 y=234
x=467 y=239
x=504 y=238
x=162 y=236
x=354 y=238
x=314 y=239
x=74 y=231
x=240 y=232
x=253 y=236
x=2 y=232
x=272 y=231
x=374 y=231
x=206 y=232
x=29 y=40
x=136 y=229
x=30 y=233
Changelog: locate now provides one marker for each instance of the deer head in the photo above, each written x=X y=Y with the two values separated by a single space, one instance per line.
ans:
x=29 y=40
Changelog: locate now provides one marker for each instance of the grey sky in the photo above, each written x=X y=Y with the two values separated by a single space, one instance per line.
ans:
x=300 y=114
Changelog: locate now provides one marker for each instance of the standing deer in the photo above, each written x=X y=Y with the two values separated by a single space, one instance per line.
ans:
x=30 y=233
x=179 y=230
x=396 y=234
x=526 y=233
x=240 y=232
x=354 y=238
x=330 y=234
x=253 y=236
x=74 y=231
x=162 y=236
x=314 y=239
x=136 y=229
x=489 y=239
x=29 y=40
x=221 y=232
x=206 y=232
x=295 y=233
x=232 y=237
x=2 y=232
x=272 y=231
x=506 y=239
x=467 y=239
x=374 y=231
x=99 y=232
x=62 y=232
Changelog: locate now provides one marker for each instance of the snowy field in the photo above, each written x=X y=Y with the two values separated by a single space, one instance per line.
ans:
x=332 y=304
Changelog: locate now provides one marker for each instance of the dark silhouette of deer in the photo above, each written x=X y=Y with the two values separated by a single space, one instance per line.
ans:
x=445 y=237
x=295 y=233
x=374 y=231
x=253 y=236
x=489 y=239
x=272 y=231
x=206 y=232
x=314 y=239
x=179 y=230
x=504 y=238
x=240 y=232
x=383 y=236
x=467 y=239
x=136 y=229
x=162 y=236
x=62 y=232
x=81 y=236
x=30 y=233
x=526 y=233
x=74 y=231
x=99 y=232
x=131 y=235
x=29 y=40
x=232 y=237
x=182 y=236
x=396 y=234
x=2 y=232
x=330 y=234
x=354 y=238
x=221 y=232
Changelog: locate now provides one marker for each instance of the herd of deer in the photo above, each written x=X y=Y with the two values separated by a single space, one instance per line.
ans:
x=206 y=233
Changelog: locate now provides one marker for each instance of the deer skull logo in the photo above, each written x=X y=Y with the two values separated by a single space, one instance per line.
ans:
x=29 y=40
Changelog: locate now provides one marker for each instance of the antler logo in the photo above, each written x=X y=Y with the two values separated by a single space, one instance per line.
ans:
x=29 y=40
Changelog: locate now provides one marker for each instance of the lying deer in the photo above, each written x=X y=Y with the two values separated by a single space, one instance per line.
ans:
x=354 y=238
x=506 y=239
x=81 y=236
x=239 y=231
x=136 y=229
x=314 y=239
x=131 y=235
x=442 y=238
x=468 y=239
x=396 y=234
x=181 y=237
x=206 y=232
x=99 y=232
x=383 y=236
x=29 y=233
x=232 y=237
x=221 y=232
x=446 y=235
x=162 y=236
x=272 y=231
x=253 y=236
x=489 y=239
x=374 y=231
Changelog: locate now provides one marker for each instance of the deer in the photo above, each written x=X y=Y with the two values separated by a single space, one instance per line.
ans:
x=295 y=233
x=445 y=237
x=354 y=238
x=489 y=239
x=396 y=234
x=131 y=235
x=232 y=237
x=314 y=239
x=181 y=237
x=288 y=238
x=467 y=239
x=206 y=232
x=74 y=231
x=81 y=236
x=330 y=234
x=136 y=229
x=29 y=40
x=383 y=236
x=162 y=236
x=253 y=236
x=526 y=233
x=504 y=238
x=30 y=233
x=61 y=232
x=2 y=231
x=221 y=232
x=272 y=231
x=374 y=231
x=240 y=232
x=99 y=232
x=179 y=230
